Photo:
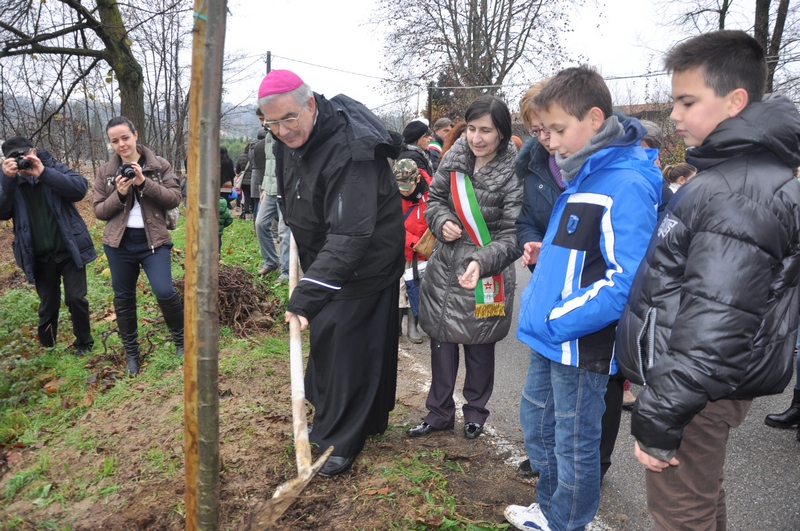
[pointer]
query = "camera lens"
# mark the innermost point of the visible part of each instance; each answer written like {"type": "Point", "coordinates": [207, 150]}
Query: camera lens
{"type": "Point", "coordinates": [24, 164]}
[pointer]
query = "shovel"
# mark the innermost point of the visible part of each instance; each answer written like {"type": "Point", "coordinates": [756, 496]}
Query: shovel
{"type": "Point", "coordinates": [267, 513]}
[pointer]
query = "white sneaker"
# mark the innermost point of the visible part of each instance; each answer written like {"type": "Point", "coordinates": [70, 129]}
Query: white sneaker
{"type": "Point", "coordinates": [528, 518]}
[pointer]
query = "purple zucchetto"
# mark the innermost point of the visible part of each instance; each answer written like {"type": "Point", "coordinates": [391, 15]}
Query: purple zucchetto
{"type": "Point", "coordinates": [278, 82]}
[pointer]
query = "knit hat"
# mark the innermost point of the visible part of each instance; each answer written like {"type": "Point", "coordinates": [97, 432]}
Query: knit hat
{"type": "Point", "coordinates": [406, 172]}
{"type": "Point", "coordinates": [278, 82]}
{"type": "Point", "coordinates": [415, 130]}
{"type": "Point", "coordinates": [16, 145]}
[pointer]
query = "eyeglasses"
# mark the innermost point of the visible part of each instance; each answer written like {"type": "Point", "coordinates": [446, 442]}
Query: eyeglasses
{"type": "Point", "coordinates": [538, 131]}
{"type": "Point", "coordinates": [289, 123]}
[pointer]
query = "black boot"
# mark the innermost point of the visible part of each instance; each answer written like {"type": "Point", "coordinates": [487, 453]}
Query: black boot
{"type": "Point", "coordinates": [789, 418]}
{"type": "Point", "coordinates": [172, 308]}
{"type": "Point", "coordinates": [128, 332]}
{"type": "Point", "coordinates": [414, 334]}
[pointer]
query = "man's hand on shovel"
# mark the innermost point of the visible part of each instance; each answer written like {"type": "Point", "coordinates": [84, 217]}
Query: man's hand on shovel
{"type": "Point", "coordinates": [303, 320]}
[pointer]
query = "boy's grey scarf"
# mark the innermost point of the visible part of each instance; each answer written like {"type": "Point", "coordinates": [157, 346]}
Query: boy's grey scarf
{"type": "Point", "coordinates": [609, 131]}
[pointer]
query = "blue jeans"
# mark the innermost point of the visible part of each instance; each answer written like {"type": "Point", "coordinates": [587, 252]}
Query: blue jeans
{"type": "Point", "coordinates": [560, 413]}
{"type": "Point", "coordinates": [132, 254]}
{"type": "Point", "coordinates": [269, 256]}
{"type": "Point", "coordinates": [254, 201]}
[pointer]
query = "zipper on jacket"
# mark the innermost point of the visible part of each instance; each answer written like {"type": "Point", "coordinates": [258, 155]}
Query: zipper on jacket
{"type": "Point", "coordinates": [339, 211]}
{"type": "Point", "coordinates": [446, 295]}
{"type": "Point", "coordinates": [648, 329]}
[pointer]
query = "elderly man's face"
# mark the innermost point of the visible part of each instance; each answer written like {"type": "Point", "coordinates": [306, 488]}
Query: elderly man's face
{"type": "Point", "coordinates": [289, 122]}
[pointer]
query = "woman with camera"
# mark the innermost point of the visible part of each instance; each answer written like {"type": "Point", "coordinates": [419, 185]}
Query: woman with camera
{"type": "Point", "coordinates": [132, 193]}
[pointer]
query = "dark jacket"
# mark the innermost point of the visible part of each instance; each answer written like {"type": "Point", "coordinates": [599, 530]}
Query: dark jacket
{"type": "Point", "coordinates": [540, 193]}
{"type": "Point", "coordinates": [259, 161]}
{"type": "Point", "coordinates": [63, 188]}
{"type": "Point", "coordinates": [446, 309]}
{"type": "Point", "coordinates": [418, 155]}
{"type": "Point", "coordinates": [159, 192]}
{"type": "Point", "coordinates": [435, 151]}
{"type": "Point", "coordinates": [338, 194]}
{"type": "Point", "coordinates": [713, 309]}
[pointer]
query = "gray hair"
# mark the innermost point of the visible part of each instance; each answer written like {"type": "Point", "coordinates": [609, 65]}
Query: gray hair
{"type": "Point", "coordinates": [654, 137]}
{"type": "Point", "coordinates": [442, 122]}
{"type": "Point", "coordinates": [300, 95]}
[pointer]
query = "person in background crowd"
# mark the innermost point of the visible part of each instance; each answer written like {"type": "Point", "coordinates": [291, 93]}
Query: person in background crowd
{"type": "Point", "coordinates": [225, 220]}
{"type": "Point", "coordinates": [226, 175]}
{"type": "Point", "coordinates": [341, 201]}
{"type": "Point", "coordinates": [413, 184]}
{"type": "Point", "coordinates": [132, 192]}
{"type": "Point", "coordinates": [416, 138]}
{"type": "Point", "coordinates": [467, 294]}
{"type": "Point", "coordinates": [257, 175]}
{"type": "Point", "coordinates": [459, 130]}
{"type": "Point", "coordinates": [441, 128]}
{"type": "Point", "coordinates": [51, 241]}
{"type": "Point", "coordinates": [267, 213]}
{"type": "Point", "coordinates": [241, 166]}
{"type": "Point", "coordinates": [678, 175]}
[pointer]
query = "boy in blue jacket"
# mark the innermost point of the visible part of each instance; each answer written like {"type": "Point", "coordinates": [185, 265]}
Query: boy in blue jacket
{"type": "Point", "coordinates": [597, 235]}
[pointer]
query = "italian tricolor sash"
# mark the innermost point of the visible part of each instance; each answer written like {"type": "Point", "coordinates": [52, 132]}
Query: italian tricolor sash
{"type": "Point", "coordinates": [489, 293]}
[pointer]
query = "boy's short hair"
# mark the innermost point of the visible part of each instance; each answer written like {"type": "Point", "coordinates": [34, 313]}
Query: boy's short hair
{"type": "Point", "coordinates": [730, 59]}
{"type": "Point", "coordinates": [576, 90]}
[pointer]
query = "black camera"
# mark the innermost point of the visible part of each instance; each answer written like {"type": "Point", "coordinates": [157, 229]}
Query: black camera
{"type": "Point", "coordinates": [23, 163]}
{"type": "Point", "coordinates": [127, 171]}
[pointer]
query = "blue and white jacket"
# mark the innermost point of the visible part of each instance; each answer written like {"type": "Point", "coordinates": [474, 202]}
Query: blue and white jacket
{"type": "Point", "coordinates": [598, 233]}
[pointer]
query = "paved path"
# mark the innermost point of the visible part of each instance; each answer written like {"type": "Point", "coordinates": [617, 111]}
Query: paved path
{"type": "Point", "coordinates": [762, 469]}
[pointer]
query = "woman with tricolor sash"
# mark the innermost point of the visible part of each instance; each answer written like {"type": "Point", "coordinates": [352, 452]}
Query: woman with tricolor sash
{"type": "Point", "coordinates": [467, 294]}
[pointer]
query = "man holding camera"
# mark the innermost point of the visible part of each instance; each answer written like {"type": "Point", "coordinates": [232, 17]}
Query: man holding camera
{"type": "Point", "coordinates": [51, 241]}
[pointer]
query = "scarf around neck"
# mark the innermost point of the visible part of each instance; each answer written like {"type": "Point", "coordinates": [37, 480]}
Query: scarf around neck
{"type": "Point", "coordinates": [609, 131]}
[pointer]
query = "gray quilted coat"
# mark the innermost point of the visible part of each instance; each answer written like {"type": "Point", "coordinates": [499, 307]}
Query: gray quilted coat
{"type": "Point", "coordinates": [446, 309]}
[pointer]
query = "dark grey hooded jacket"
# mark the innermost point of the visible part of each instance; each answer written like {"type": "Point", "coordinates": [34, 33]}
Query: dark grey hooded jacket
{"type": "Point", "coordinates": [713, 309]}
{"type": "Point", "coordinates": [446, 309]}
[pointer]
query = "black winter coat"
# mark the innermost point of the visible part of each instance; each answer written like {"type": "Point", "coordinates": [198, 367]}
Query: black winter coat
{"type": "Point", "coordinates": [712, 312]}
{"type": "Point", "coordinates": [63, 188]}
{"type": "Point", "coordinates": [338, 194]}
{"type": "Point", "coordinates": [418, 155]}
{"type": "Point", "coordinates": [540, 193]}
{"type": "Point", "coordinates": [446, 310]}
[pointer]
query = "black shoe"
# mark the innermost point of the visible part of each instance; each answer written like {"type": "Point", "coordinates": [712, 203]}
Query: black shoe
{"type": "Point", "coordinates": [421, 430]}
{"type": "Point", "coordinates": [472, 430]}
{"type": "Point", "coordinates": [82, 351]}
{"type": "Point", "coordinates": [789, 418]}
{"type": "Point", "coordinates": [524, 470]}
{"type": "Point", "coordinates": [336, 465]}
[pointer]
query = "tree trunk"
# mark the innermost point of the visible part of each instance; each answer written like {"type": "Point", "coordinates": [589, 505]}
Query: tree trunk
{"type": "Point", "coordinates": [775, 42]}
{"type": "Point", "coordinates": [119, 56]}
{"type": "Point", "coordinates": [761, 24]}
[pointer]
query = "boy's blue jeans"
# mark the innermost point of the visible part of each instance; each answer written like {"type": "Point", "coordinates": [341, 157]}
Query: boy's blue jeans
{"type": "Point", "coordinates": [561, 412]}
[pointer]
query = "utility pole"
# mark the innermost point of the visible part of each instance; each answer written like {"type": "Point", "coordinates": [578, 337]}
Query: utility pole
{"type": "Point", "coordinates": [430, 103]}
{"type": "Point", "coordinates": [269, 62]}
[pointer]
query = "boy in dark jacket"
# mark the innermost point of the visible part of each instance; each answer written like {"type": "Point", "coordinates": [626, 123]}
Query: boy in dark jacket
{"type": "Point", "coordinates": [51, 241]}
{"type": "Point", "coordinates": [711, 319]}
{"type": "Point", "coordinates": [596, 237]}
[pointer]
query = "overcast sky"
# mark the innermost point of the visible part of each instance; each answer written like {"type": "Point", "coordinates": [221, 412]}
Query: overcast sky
{"type": "Point", "coordinates": [329, 44]}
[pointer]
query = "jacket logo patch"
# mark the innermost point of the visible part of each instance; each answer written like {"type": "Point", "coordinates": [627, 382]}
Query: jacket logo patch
{"type": "Point", "coordinates": [572, 223]}
{"type": "Point", "coordinates": [666, 226]}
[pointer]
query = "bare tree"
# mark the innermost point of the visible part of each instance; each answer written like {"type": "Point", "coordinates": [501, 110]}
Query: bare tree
{"type": "Point", "coordinates": [69, 29]}
{"type": "Point", "coordinates": [773, 23]}
{"type": "Point", "coordinates": [472, 43]}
